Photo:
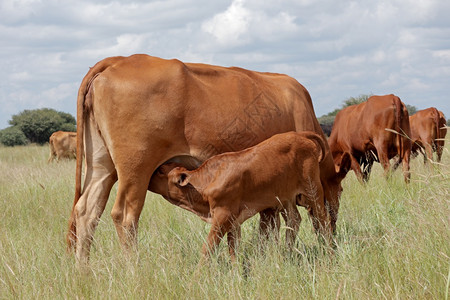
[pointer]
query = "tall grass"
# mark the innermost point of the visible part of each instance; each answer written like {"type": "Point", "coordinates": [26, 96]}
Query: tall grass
{"type": "Point", "coordinates": [393, 242]}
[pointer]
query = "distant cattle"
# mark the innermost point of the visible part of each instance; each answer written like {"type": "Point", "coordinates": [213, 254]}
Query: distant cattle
{"type": "Point", "coordinates": [375, 130]}
{"type": "Point", "coordinates": [63, 145]}
{"type": "Point", "coordinates": [428, 132]}
{"type": "Point", "coordinates": [135, 113]}
{"type": "Point", "coordinates": [229, 188]}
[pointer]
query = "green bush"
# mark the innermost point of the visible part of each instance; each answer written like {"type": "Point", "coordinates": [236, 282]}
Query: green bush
{"type": "Point", "coordinates": [68, 127]}
{"type": "Point", "coordinates": [12, 136]}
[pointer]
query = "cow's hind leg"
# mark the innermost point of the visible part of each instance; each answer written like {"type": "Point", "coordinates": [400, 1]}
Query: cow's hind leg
{"type": "Point", "coordinates": [51, 157]}
{"type": "Point", "coordinates": [406, 156]}
{"type": "Point", "coordinates": [99, 179]}
{"type": "Point", "coordinates": [428, 151]}
{"type": "Point", "coordinates": [439, 150]}
{"type": "Point", "coordinates": [382, 150]}
{"type": "Point", "coordinates": [133, 176]}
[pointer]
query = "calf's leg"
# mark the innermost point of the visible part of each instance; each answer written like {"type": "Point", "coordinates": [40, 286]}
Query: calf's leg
{"type": "Point", "coordinates": [233, 238]}
{"type": "Point", "coordinates": [221, 224]}
{"type": "Point", "coordinates": [292, 219]}
{"type": "Point", "coordinates": [314, 200]}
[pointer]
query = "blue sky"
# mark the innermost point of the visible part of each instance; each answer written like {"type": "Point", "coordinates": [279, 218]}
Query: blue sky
{"type": "Point", "coordinates": [336, 49]}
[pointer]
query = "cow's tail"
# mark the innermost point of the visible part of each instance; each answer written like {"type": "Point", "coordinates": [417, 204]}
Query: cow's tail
{"type": "Point", "coordinates": [403, 135]}
{"type": "Point", "coordinates": [436, 119]}
{"type": "Point", "coordinates": [398, 108]}
{"type": "Point", "coordinates": [52, 149]}
{"type": "Point", "coordinates": [83, 103]}
{"type": "Point", "coordinates": [318, 140]}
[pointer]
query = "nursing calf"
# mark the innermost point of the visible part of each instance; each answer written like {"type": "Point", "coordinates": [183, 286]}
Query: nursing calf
{"type": "Point", "coordinates": [229, 188]}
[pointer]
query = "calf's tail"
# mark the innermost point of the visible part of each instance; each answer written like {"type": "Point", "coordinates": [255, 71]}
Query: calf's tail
{"type": "Point", "coordinates": [318, 140]}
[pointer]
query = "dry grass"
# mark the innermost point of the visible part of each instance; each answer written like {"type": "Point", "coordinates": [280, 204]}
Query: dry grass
{"type": "Point", "coordinates": [393, 243]}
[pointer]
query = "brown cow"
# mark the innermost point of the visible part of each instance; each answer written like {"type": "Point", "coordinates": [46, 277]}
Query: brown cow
{"type": "Point", "coordinates": [428, 132]}
{"type": "Point", "coordinates": [231, 187]}
{"type": "Point", "coordinates": [135, 113]}
{"type": "Point", "coordinates": [62, 145]}
{"type": "Point", "coordinates": [375, 130]}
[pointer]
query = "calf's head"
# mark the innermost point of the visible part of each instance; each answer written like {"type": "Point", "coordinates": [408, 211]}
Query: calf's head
{"type": "Point", "coordinates": [179, 186]}
{"type": "Point", "coordinates": [159, 181]}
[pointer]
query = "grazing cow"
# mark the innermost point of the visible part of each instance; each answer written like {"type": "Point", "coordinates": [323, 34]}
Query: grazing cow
{"type": "Point", "coordinates": [135, 113]}
{"type": "Point", "coordinates": [62, 145]}
{"type": "Point", "coordinates": [428, 132]}
{"type": "Point", "coordinates": [231, 187]}
{"type": "Point", "coordinates": [375, 130]}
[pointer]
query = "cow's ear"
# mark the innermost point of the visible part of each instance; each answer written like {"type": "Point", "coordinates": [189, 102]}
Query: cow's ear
{"type": "Point", "coordinates": [345, 165]}
{"type": "Point", "coordinates": [182, 179]}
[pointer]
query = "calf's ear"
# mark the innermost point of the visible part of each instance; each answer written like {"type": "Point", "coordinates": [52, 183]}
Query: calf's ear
{"type": "Point", "coordinates": [182, 179]}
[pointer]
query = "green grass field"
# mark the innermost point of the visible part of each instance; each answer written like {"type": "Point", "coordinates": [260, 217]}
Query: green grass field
{"type": "Point", "coordinates": [393, 242]}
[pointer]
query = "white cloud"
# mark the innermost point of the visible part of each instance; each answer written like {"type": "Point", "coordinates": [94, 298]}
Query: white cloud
{"type": "Point", "coordinates": [20, 76]}
{"type": "Point", "coordinates": [229, 26]}
{"type": "Point", "coordinates": [125, 44]}
{"type": "Point", "coordinates": [242, 23]}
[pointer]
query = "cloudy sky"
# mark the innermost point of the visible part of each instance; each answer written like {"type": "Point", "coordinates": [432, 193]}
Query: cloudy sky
{"type": "Point", "coordinates": [336, 49]}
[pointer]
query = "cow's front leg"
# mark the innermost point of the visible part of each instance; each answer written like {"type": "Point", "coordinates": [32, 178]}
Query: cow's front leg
{"type": "Point", "coordinates": [356, 167]}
